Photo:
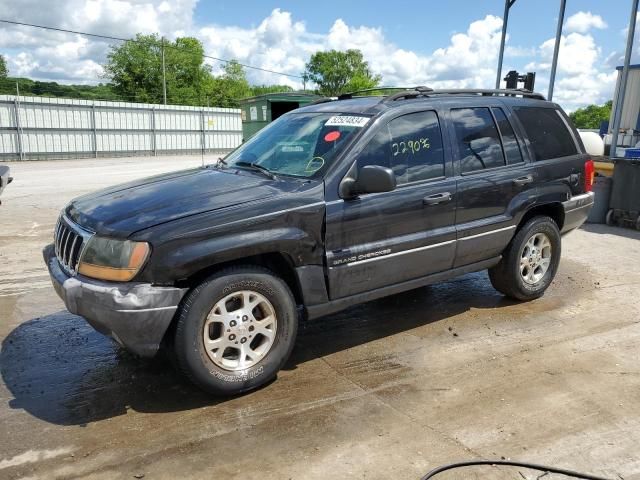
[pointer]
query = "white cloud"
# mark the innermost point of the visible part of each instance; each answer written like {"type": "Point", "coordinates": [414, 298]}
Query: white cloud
{"type": "Point", "coordinates": [282, 43]}
{"type": "Point", "coordinates": [50, 55]}
{"type": "Point", "coordinates": [580, 76]}
{"type": "Point", "coordinates": [582, 22]}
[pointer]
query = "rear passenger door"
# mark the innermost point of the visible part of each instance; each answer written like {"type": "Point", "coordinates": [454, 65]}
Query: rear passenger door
{"type": "Point", "coordinates": [494, 181]}
{"type": "Point", "coordinates": [381, 239]}
{"type": "Point", "coordinates": [553, 147]}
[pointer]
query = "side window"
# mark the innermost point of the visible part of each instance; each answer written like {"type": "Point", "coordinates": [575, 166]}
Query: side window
{"type": "Point", "coordinates": [477, 138]}
{"type": "Point", "coordinates": [377, 151]}
{"type": "Point", "coordinates": [410, 145]}
{"type": "Point", "coordinates": [547, 132]}
{"type": "Point", "coordinates": [509, 140]}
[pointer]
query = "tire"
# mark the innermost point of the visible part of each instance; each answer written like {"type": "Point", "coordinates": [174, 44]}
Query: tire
{"type": "Point", "coordinates": [609, 220]}
{"type": "Point", "coordinates": [222, 367]}
{"type": "Point", "coordinates": [529, 279]}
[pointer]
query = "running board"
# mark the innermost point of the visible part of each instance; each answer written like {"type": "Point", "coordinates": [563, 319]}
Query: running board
{"type": "Point", "coordinates": [333, 306]}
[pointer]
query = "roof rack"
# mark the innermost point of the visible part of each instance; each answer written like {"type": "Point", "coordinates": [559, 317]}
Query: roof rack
{"type": "Point", "coordinates": [428, 92]}
{"type": "Point", "coordinates": [349, 95]}
{"type": "Point", "coordinates": [421, 91]}
{"type": "Point", "coordinates": [322, 100]}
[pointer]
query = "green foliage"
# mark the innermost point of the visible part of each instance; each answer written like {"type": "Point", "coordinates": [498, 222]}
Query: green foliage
{"type": "Point", "coordinates": [264, 89]}
{"type": "Point", "coordinates": [336, 72]}
{"type": "Point", "coordinates": [135, 69]}
{"type": "Point", "coordinates": [3, 67]}
{"type": "Point", "coordinates": [228, 88]}
{"type": "Point", "coordinates": [53, 89]}
{"type": "Point", "coordinates": [591, 116]}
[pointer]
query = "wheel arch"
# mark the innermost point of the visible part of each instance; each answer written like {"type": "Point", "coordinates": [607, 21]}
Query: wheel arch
{"type": "Point", "coordinates": [553, 210]}
{"type": "Point", "coordinates": [281, 264]}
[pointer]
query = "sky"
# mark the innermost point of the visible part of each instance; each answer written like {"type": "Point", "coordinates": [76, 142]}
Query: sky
{"type": "Point", "coordinates": [435, 43]}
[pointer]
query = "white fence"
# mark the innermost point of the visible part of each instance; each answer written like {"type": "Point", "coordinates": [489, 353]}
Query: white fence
{"type": "Point", "coordinates": [45, 128]}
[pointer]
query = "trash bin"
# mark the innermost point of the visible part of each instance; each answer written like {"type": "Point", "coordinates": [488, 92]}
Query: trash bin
{"type": "Point", "coordinates": [624, 205]}
{"type": "Point", "coordinates": [602, 190]}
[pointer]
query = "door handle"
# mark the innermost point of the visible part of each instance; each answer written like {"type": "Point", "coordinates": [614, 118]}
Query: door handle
{"type": "Point", "coordinates": [437, 198]}
{"type": "Point", "coordinates": [523, 180]}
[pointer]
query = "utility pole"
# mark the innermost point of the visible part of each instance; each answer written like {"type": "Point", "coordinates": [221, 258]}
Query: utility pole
{"type": "Point", "coordinates": [556, 48]}
{"type": "Point", "coordinates": [617, 112]}
{"type": "Point", "coordinates": [164, 75]}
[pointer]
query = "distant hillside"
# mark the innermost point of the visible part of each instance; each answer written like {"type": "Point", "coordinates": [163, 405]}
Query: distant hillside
{"type": "Point", "coordinates": [54, 89]}
{"type": "Point", "coordinates": [92, 92]}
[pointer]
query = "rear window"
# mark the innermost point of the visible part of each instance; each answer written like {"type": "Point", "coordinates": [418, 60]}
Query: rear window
{"type": "Point", "coordinates": [547, 132]}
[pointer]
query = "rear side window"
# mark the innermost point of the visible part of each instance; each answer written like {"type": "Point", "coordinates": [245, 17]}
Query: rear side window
{"type": "Point", "coordinates": [509, 140]}
{"type": "Point", "coordinates": [477, 138]}
{"type": "Point", "coordinates": [410, 145]}
{"type": "Point", "coordinates": [547, 132]}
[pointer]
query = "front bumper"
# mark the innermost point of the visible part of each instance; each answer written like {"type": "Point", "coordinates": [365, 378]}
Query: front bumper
{"type": "Point", "coordinates": [136, 315]}
{"type": "Point", "coordinates": [576, 210]}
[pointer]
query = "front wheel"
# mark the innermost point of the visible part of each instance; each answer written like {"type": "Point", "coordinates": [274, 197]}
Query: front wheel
{"type": "Point", "coordinates": [235, 330]}
{"type": "Point", "coordinates": [530, 261]}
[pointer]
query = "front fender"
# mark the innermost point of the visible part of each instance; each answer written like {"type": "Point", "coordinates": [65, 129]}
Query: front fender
{"type": "Point", "coordinates": [188, 258]}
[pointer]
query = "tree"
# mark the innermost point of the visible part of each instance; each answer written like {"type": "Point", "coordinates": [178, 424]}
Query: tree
{"type": "Point", "coordinates": [231, 86]}
{"type": "Point", "coordinates": [3, 67]}
{"type": "Point", "coordinates": [336, 72]}
{"type": "Point", "coordinates": [591, 116]}
{"type": "Point", "coordinates": [264, 89]}
{"type": "Point", "coordinates": [135, 68]}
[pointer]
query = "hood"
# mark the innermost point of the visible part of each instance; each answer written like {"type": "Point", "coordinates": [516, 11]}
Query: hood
{"type": "Point", "coordinates": [124, 209]}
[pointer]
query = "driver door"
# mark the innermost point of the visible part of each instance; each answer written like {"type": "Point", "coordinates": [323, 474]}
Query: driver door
{"type": "Point", "coordinates": [381, 239]}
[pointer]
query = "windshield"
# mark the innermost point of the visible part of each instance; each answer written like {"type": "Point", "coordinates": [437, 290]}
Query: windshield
{"type": "Point", "coordinates": [298, 144]}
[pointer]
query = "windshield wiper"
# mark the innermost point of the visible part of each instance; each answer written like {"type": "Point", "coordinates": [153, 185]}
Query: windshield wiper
{"type": "Point", "coordinates": [256, 167]}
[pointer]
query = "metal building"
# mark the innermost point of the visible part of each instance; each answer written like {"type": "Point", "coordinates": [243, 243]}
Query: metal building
{"type": "Point", "coordinates": [258, 111]}
{"type": "Point", "coordinates": [34, 128]}
{"type": "Point", "coordinates": [629, 134]}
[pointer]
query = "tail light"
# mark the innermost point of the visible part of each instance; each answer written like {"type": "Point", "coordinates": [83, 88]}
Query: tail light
{"type": "Point", "coordinates": [589, 174]}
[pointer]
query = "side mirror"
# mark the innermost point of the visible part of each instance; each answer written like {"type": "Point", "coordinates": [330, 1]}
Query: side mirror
{"type": "Point", "coordinates": [375, 179]}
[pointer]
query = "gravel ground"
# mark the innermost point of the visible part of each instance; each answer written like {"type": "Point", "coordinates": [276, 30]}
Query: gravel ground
{"type": "Point", "coordinates": [388, 389]}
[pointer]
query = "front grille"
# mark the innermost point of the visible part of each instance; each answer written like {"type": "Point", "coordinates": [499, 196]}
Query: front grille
{"type": "Point", "coordinates": [69, 240]}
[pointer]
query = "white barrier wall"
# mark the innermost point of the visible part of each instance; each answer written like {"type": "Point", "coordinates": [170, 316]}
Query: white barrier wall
{"type": "Point", "coordinates": [46, 128]}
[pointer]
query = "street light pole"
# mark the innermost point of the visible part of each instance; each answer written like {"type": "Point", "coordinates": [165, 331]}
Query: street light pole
{"type": "Point", "coordinates": [505, 20]}
{"type": "Point", "coordinates": [556, 48]}
{"type": "Point", "coordinates": [617, 112]}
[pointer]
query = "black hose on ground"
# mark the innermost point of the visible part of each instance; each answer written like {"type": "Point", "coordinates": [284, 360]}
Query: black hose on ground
{"type": "Point", "coordinates": [508, 463]}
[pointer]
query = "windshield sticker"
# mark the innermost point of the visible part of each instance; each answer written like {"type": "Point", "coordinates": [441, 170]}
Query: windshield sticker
{"type": "Point", "coordinates": [332, 136]}
{"type": "Point", "coordinates": [347, 121]}
{"type": "Point", "coordinates": [292, 148]}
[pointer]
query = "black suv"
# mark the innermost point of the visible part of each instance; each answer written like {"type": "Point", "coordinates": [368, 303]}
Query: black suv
{"type": "Point", "coordinates": [334, 204]}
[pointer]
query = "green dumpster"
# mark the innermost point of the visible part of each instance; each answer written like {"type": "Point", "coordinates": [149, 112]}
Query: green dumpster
{"type": "Point", "coordinates": [258, 111]}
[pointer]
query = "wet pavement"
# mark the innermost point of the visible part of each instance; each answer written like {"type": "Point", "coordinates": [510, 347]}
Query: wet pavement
{"type": "Point", "coordinates": [389, 389]}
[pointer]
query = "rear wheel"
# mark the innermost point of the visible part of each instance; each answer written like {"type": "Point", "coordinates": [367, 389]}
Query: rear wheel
{"type": "Point", "coordinates": [530, 261]}
{"type": "Point", "coordinates": [235, 330]}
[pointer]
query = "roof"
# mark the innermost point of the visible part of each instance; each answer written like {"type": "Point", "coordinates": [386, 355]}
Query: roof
{"type": "Point", "coordinates": [635, 66]}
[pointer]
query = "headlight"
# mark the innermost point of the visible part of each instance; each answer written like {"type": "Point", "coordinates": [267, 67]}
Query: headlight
{"type": "Point", "coordinates": [111, 259]}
